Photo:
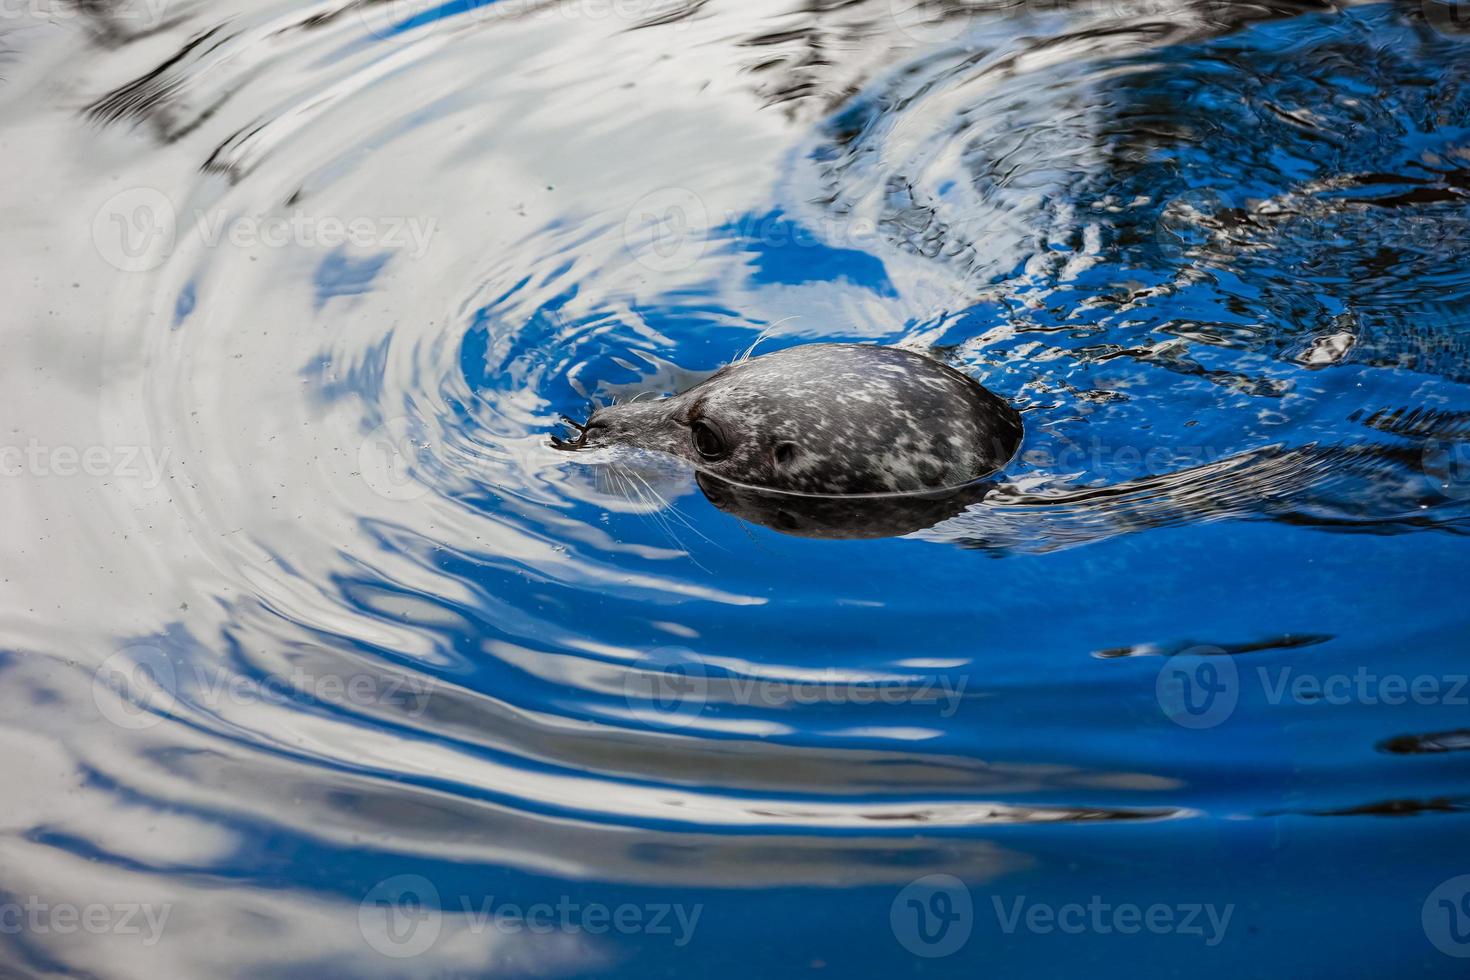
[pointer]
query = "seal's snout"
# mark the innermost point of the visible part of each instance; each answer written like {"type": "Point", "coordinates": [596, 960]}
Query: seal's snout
{"type": "Point", "coordinates": [637, 424]}
{"type": "Point", "coordinates": [572, 445]}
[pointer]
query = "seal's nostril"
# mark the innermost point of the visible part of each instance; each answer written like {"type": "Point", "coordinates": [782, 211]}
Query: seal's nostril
{"type": "Point", "coordinates": [785, 452]}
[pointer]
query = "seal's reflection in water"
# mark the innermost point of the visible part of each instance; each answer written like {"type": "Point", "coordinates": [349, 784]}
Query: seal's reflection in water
{"type": "Point", "coordinates": [651, 483]}
{"type": "Point", "coordinates": [839, 516]}
{"type": "Point", "coordinates": [1375, 489]}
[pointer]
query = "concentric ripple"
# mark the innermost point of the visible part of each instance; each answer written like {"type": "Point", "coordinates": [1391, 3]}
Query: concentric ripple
{"type": "Point", "coordinates": [343, 268]}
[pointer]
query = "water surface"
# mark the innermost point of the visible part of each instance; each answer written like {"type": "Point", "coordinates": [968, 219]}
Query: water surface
{"type": "Point", "coordinates": [312, 647]}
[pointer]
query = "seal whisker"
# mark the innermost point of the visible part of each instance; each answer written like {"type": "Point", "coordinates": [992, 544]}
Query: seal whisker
{"type": "Point", "coordinates": [765, 333]}
{"type": "Point", "coordinates": [650, 499]}
{"type": "Point", "coordinates": [673, 510]}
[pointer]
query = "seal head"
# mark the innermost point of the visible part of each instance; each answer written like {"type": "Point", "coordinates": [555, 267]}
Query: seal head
{"type": "Point", "coordinates": [826, 419]}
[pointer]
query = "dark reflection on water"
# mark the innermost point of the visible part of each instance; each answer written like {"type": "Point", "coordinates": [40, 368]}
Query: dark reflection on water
{"type": "Point", "coordinates": [311, 640]}
{"type": "Point", "coordinates": [840, 517]}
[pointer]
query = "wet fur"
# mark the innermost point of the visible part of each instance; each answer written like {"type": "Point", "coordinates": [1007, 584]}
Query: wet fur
{"type": "Point", "coordinates": [827, 419]}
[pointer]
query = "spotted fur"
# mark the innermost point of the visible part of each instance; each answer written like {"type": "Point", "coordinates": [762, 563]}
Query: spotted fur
{"type": "Point", "coordinates": [826, 419]}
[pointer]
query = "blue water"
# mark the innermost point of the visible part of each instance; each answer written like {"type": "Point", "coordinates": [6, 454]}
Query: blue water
{"type": "Point", "coordinates": [328, 665]}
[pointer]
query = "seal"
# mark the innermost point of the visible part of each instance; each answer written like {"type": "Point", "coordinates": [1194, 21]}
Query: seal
{"type": "Point", "coordinates": [823, 419]}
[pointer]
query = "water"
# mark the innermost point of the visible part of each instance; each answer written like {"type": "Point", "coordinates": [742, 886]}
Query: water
{"type": "Point", "coordinates": [319, 661]}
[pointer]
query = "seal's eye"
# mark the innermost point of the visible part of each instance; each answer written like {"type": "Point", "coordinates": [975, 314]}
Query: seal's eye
{"type": "Point", "coordinates": [709, 441]}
